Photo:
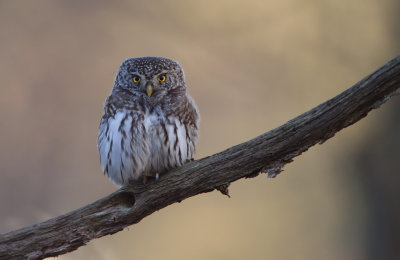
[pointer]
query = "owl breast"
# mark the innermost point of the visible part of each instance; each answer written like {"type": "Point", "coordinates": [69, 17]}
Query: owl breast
{"type": "Point", "coordinates": [133, 145]}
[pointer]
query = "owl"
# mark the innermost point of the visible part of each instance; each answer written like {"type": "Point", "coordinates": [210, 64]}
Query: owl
{"type": "Point", "coordinates": [150, 123]}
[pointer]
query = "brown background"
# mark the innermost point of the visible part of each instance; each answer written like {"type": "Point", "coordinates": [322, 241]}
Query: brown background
{"type": "Point", "coordinates": [250, 66]}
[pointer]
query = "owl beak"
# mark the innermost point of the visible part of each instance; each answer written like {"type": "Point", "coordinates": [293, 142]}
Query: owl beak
{"type": "Point", "coordinates": [149, 90]}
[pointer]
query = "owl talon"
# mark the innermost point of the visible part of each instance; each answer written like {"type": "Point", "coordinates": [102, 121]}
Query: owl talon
{"type": "Point", "coordinates": [157, 177]}
{"type": "Point", "coordinates": [144, 180]}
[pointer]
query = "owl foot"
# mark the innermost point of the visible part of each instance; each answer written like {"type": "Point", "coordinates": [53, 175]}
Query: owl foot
{"type": "Point", "coordinates": [157, 177]}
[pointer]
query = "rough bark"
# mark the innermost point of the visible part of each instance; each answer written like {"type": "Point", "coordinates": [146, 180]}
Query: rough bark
{"type": "Point", "coordinates": [267, 153]}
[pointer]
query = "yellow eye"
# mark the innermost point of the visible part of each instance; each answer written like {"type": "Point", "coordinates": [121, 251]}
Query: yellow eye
{"type": "Point", "coordinates": [162, 78]}
{"type": "Point", "coordinates": [136, 79]}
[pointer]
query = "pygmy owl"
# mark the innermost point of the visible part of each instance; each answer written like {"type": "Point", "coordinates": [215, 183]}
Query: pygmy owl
{"type": "Point", "coordinates": [150, 123]}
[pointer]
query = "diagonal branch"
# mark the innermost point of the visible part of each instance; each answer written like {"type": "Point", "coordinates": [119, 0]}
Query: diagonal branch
{"type": "Point", "coordinates": [266, 153]}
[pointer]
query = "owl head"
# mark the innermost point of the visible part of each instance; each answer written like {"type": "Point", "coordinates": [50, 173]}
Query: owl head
{"type": "Point", "coordinates": [150, 77]}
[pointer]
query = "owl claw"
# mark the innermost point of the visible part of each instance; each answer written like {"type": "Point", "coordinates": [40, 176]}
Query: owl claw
{"type": "Point", "coordinates": [157, 177]}
{"type": "Point", "coordinates": [144, 180]}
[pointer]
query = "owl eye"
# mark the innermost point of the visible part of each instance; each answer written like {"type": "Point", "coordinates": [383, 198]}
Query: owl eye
{"type": "Point", "coordinates": [161, 78]}
{"type": "Point", "coordinates": [136, 79]}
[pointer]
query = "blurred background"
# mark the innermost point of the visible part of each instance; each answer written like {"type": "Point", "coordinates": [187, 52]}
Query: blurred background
{"type": "Point", "coordinates": [250, 66]}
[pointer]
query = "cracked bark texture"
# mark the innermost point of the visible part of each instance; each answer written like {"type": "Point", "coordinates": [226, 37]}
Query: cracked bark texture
{"type": "Point", "coordinates": [267, 153]}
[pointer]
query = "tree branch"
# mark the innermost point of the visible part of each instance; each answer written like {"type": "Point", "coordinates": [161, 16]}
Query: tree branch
{"type": "Point", "coordinates": [267, 153]}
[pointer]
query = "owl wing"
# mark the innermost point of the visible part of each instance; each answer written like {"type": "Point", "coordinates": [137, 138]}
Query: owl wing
{"type": "Point", "coordinates": [121, 144]}
{"type": "Point", "coordinates": [191, 117]}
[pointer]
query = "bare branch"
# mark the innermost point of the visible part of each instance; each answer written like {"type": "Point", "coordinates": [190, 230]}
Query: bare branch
{"type": "Point", "coordinates": [266, 153]}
